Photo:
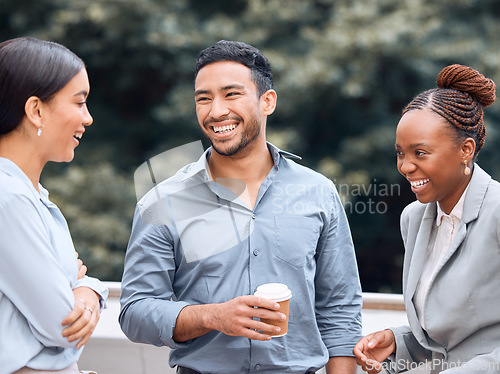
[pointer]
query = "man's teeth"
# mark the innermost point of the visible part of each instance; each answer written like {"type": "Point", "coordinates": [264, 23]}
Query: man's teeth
{"type": "Point", "coordinates": [77, 136]}
{"type": "Point", "coordinates": [223, 129]}
{"type": "Point", "coordinates": [419, 183]}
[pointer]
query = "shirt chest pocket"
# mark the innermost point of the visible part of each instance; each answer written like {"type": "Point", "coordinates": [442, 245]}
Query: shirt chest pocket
{"type": "Point", "coordinates": [296, 239]}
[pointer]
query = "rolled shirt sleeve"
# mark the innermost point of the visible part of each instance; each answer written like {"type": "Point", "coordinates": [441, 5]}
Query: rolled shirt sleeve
{"type": "Point", "coordinates": [148, 313]}
{"type": "Point", "coordinates": [338, 290]}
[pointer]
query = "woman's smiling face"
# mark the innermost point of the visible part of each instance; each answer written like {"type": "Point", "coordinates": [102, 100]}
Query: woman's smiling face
{"type": "Point", "coordinates": [66, 116]}
{"type": "Point", "coordinates": [429, 157]}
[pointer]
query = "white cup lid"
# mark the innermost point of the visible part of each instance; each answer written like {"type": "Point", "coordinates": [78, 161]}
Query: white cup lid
{"type": "Point", "coordinates": [274, 291]}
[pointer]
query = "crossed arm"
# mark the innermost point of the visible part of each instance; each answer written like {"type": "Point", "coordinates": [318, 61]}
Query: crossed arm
{"type": "Point", "coordinates": [82, 320]}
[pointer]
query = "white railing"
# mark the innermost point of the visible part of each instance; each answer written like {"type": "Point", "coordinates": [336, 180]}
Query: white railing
{"type": "Point", "coordinates": [383, 301]}
{"type": "Point", "coordinates": [110, 352]}
{"type": "Point", "coordinates": [371, 300]}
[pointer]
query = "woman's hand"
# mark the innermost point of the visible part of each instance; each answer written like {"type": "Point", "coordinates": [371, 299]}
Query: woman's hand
{"type": "Point", "coordinates": [83, 319]}
{"type": "Point", "coordinates": [82, 269]}
{"type": "Point", "coordinates": [374, 348]}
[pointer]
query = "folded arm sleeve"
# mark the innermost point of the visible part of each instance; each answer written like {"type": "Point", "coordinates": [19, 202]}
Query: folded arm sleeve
{"type": "Point", "coordinates": [30, 275]}
{"type": "Point", "coordinates": [97, 286]}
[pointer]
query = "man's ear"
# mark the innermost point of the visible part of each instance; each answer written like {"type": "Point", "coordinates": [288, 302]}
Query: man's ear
{"type": "Point", "coordinates": [268, 100]}
{"type": "Point", "coordinates": [33, 111]}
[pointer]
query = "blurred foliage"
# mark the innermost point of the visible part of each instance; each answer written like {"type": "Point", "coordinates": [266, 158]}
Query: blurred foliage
{"type": "Point", "coordinates": [97, 202]}
{"type": "Point", "coordinates": [343, 69]}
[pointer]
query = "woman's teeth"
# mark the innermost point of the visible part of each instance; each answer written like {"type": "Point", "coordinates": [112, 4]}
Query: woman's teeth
{"type": "Point", "coordinates": [419, 183]}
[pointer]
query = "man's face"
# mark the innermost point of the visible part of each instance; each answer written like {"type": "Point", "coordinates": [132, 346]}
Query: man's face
{"type": "Point", "coordinates": [228, 107]}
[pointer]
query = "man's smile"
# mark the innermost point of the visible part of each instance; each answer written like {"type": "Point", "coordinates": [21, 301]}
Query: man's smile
{"type": "Point", "coordinates": [223, 129]}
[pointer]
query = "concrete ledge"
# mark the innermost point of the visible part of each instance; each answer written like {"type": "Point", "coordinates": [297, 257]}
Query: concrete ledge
{"type": "Point", "coordinates": [110, 352]}
{"type": "Point", "coordinates": [383, 301]}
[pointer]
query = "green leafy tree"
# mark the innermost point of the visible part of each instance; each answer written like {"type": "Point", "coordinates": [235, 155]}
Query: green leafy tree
{"type": "Point", "coordinates": [344, 70]}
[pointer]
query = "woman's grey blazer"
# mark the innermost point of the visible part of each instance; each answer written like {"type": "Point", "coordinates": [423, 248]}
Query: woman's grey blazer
{"type": "Point", "coordinates": [462, 307]}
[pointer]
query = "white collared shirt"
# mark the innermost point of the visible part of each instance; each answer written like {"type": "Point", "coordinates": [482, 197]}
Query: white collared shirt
{"type": "Point", "coordinates": [440, 240]}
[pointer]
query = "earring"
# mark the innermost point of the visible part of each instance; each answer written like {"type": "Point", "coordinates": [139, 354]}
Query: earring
{"type": "Point", "coordinates": [467, 168]}
{"type": "Point", "coordinates": [39, 132]}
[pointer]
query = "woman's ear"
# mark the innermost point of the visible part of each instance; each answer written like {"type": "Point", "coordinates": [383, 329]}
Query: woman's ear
{"type": "Point", "coordinates": [268, 100]}
{"type": "Point", "coordinates": [468, 149]}
{"type": "Point", "coordinates": [33, 111]}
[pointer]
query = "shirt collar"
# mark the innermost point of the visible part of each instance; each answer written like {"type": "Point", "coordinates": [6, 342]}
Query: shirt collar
{"type": "Point", "coordinates": [276, 153]}
{"type": "Point", "coordinates": [200, 167]}
{"type": "Point", "coordinates": [456, 212]}
{"type": "Point", "coordinates": [10, 168]}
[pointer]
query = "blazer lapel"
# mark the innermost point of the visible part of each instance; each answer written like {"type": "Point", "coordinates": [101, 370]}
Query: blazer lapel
{"type": "Point", "coordinates": [416, 264]}
{"type": "Point", "coordinates": [476, 194]}
{"type": "Point", "coordinates": [420, 247]}
{"type": "Point", "coordinates": [472, 204]}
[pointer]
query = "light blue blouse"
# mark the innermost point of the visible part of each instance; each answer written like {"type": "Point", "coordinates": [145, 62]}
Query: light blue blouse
{"type": "Point", "coordinates": [38, 271]}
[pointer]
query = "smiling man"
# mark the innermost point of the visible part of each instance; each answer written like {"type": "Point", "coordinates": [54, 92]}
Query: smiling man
{"type": "Point", "coordinates": [243, 215]}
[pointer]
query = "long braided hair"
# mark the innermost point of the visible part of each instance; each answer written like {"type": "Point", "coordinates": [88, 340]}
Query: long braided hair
{"type": "Point", "coordinates": [459, 98]}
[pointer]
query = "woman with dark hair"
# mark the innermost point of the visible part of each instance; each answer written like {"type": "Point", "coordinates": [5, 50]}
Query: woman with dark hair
{"type": "Point", "coordinates": [451, 236]}
{"type": "Point", "coordinates": [48, 306]}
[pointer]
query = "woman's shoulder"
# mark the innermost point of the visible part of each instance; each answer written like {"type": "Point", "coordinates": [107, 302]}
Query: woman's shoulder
{"type": "Point", "coordinates": [13, 188]}
{"type": "Point", "coordinates": [492, 197]}
{"type": "Point", "coordinates": [494, 187]}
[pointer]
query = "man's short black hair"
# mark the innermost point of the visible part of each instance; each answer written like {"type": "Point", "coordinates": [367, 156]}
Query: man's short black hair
{"type": "Point", "coordinates": [242, 53]}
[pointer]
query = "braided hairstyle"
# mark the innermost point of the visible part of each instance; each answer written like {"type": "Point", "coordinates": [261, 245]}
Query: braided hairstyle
{"type": "Point", "coordinates": [459, 98]}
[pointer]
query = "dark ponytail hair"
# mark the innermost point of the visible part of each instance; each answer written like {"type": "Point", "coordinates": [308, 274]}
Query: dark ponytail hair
{"type": "Point", "coordinates": [460, 97]}
{"type": "Point", "coordinates": [31, 67]}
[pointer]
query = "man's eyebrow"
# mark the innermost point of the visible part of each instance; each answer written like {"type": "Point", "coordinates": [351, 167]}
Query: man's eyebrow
{"type": "Point", "coordinates": [225, 88]}
{"type": "Point", "coordinates": [232, 86]}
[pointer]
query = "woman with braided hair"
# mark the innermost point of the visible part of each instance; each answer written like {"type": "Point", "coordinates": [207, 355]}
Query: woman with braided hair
{"type": "Point", "coordinates": [451, 235]}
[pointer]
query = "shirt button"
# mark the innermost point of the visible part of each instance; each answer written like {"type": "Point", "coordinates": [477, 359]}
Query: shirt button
{"type": "Point", "coordinates": [255, 252]}
{"type": "Point", "coordinates": [257, 367]}
{"type": "Point", "coordinates": [253, 216]}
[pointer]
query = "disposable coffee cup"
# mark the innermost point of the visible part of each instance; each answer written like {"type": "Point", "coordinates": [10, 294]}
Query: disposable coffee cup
{"type": "Point", "coordinates": [279, 293]}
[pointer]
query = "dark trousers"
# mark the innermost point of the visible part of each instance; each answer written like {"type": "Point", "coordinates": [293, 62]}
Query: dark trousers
{"type": "Point", "coordinates": [183, 370]}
